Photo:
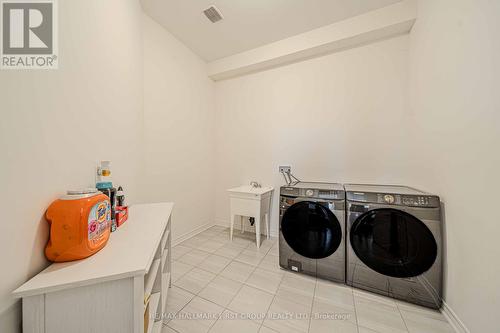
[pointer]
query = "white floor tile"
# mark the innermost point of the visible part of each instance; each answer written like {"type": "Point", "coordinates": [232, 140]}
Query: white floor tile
{"type": "Point", "coordinates": [221, 237]}
{"type": "Point", "coordinates": [179, 269]}
{"type": "Point", "coordinates": [332, 326]}
{"type": "Point", "coordinates": [197, 317]}
{"type": "Point", "coordinates": [295, 295]}
{"type": "Point", "coordinates": [210, 246]}
{"type": "Point", "coordinates": [250, 257]}
{"type": "Point", "coordinates": [285, 315]}
{"type": "Point", "coordinates": [264, 280]}
{"type": "Point", "coordinates": [229, 250]}
{"type": "Point", "coordinates": [195, 241]}
{"type": "Point", "coordinates": [253, 250]}
{"type": "Point", "coordinates": [265, 246]}
{"type": "Point", "coordinates": [176, 300]}
{"type": "Point", "coordinates": [250, 235]}
{"type": "Point", "coordinates": [243, 281]}
{"type": "Point", "coordinates": [210, 232]}
{"type": "Point", "coordinates": [241, 241]}
{"type": "Point", "coordinates": [180, 250]}
{"type": "Point", "coordinates": [422, 320]}
{"type": "Point", "coordinates": [221, 290]}
{"type": "Point", "coordinates": [237, 271]}
{"type": "Point", "coordinates": [298, 288]}
{"type": "Point", "coordinates": [271, 263]}
{"type": "Point", "coordinates": [417, 309]}
{"type": "Point", "coordinates": [300, 282]}
{"type": "Point", "coordinates": [214, 263]}
{"type": "Point", "coordinates": [252, 302]}
{"type": "Point", "coordinates": [194, 257]}
{"type": "Point", "coordinates": [167, 329]}
{"type": "Point", "coordinates": [195, 281]}
{"type": "Point", "coordinates": [231, 322]}
{"type": "Point", "coordinates": [378, 316]}
{"type": "Point", "coordinates": [334, 293]}
{"type": "Point", "coordinates": [330, 310]}
{"type": "Point", "coordinates": [264, 329]}
{"type": "Point", "coordinates": [275, 250]}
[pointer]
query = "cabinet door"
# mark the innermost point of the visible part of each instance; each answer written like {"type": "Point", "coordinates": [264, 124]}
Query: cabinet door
{"type": "Point", "coordinates": [102, 307]}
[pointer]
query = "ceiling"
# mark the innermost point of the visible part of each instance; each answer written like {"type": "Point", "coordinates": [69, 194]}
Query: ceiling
{"type": "Point", "coordinates": [249, 23]}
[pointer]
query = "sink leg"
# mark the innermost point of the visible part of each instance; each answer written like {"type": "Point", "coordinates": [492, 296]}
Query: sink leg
{"type": "Point", "coordinates": [257, 230]}
{"type": "Point", "coordinates": [268, 229]}
{"type": "Point", "coordinates": [242, 220]}
{"type": "Point", "coordinates": [232, 227]}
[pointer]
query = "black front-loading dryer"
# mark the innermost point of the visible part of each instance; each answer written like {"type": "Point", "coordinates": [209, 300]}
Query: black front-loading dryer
{"type": "Point", "coordinates": [312, 227]}
{"type": "Point", "coordinates": [394, 242]}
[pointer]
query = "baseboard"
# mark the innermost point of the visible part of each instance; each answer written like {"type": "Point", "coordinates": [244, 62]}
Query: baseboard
{"type": "Point", "coordinates": [10, 319]}
{"type": "Point", "coordinates": [192, 233]}
{"type": "Point", "coordinates": [453, 319]}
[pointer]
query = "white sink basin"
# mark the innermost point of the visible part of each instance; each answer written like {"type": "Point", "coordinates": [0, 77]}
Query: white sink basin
{"type": "Point", "coordinates": [250, 190]}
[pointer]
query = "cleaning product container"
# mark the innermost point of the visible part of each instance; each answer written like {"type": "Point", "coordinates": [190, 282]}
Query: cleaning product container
{"type": "Point", "coordinates": [79, 225]}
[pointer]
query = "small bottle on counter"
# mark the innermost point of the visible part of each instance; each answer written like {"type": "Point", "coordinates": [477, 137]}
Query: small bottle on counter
{"type": "Point", "coordinates": [120, 197]}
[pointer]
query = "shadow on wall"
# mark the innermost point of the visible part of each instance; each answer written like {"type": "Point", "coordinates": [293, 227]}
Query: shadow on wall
{"type": "Point", "coordinates": [444, 263]}
{"type": "Point", "coordinates": [11, 318]}
{"type": "Point", "coordinates": [38, 249]}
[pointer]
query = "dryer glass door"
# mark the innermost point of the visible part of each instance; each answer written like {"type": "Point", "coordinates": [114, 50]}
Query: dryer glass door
{"type": "Point", "coordinates": [311, 229]}
{"type": "Point", "coordinates": [393, 243]}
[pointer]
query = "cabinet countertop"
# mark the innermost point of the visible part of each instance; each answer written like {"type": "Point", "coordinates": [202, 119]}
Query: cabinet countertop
{"type": "Point", "coordinates": [129, 252]}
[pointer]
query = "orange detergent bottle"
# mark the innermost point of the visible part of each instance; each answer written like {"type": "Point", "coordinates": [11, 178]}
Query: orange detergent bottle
{"type": "Point", "coordinates": [79, 225]}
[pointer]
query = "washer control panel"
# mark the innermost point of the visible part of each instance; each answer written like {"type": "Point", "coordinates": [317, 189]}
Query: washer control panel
{"type": "Point", "coordinates": [313, 193]}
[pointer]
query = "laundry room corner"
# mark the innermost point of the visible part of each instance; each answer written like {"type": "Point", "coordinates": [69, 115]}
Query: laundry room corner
{"type": "Point", "coordinates": [178, 130]}
{"type": "Point", "coordinates": [310, 115]}
{"type": "Point", "coordinates": [453, 75]}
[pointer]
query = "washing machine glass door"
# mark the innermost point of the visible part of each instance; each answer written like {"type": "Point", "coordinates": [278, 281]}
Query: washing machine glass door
{"type": "Point", "coordinates": [393, 243]}
{"type": "Point", "coordinates": [311, 229]}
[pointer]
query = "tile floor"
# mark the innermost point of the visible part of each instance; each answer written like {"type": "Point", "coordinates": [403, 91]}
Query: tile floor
{"type": "Point", "coordinates": [223, 286]}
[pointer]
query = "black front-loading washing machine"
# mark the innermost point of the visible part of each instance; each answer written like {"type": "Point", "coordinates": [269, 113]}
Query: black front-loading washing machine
{"type": "Point", "coordinates": [312, 227]}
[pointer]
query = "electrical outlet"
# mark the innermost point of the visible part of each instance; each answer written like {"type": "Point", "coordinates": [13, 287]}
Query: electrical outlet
{"type": "Point", "coordinates": [285, 168]}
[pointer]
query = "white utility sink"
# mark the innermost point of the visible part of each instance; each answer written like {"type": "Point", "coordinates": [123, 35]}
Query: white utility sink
{"type": "Point", "coordinates": [250, 191]}
{"type": "Point", "coordinates": [249, 201]}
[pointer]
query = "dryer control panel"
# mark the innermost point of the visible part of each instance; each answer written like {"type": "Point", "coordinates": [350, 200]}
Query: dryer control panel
{"type": "Point", "coordinates": [420, 201]}
{"type": "Point", "coordinates": [408, 200]}
{"type": "Point", "coordinates": [425, 201]}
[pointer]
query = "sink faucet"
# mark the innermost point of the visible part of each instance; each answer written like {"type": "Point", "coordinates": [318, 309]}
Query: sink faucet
{"type": "Point", "coordinates": [255, 184]}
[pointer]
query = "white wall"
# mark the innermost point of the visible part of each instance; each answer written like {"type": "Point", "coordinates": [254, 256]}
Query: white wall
{"type": "Point", "coordinates": [455, 100]}
{"type": "Point", "coordinates": [55, 125]}
{"type": "Point", "coordinates": [179, 129]}
{"type": "Point", "coordinates": [338, 118]}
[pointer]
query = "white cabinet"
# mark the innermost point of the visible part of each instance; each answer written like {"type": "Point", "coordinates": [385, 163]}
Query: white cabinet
{"type": "Point", "coordinates": [111, 291]}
